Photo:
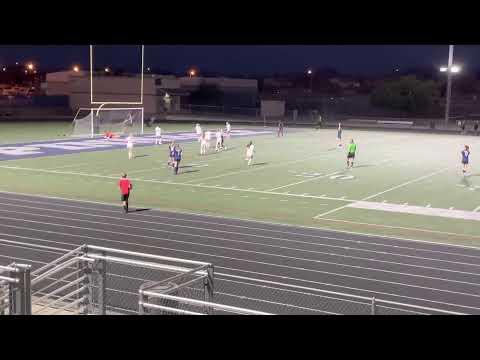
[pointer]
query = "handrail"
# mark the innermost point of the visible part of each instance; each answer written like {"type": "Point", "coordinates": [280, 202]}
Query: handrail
{"type": "Point", "coordinates": [205, 303]}
{"type": "Point", "coordinates": [134, 262]}
{"type": "Point", "coordinates": [56, 269]}
{"type": "Point", "coordinates": [56, 261]}
{"type": "Point", "coordinates": [152, 256]}
{"type": "Point", "coordinates": [165, 308]}
{"type": "Point", "coordinates": [9, 279]}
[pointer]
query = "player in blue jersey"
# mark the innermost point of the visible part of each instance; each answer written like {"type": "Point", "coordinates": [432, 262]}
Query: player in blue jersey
{"type": "Point", "coordinates": [171, 153]}
{"type": "Point", "coordinates": [465, 156]}
{"type": "Point", "coordinates": [339, 134]}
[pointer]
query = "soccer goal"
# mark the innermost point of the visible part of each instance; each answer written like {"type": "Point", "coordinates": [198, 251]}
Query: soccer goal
{"type": "Point", "coordinates": [91, 122]}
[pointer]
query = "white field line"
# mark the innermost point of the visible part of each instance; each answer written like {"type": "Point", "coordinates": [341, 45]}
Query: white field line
{"type": "Point", "coordinates": [476, 209]}
{"type": "Point", "coordinates": [261, 167]}
{"type": "Point", "coordinates": [321, 177]}
{"type": "Point", "coordinates": [312, 270]}
{"type": "Point", "coordinates": [385, 191]}
{"type": "Point", "coordinates": [299, 280]}
{"type": "Point", "coordinates": [304, 181]}
{"type": "Point", "coordinates": [404, 228]}
{"type": "Point", "coordinates": [280, 239]}
{"type": "Point", "coordinates": [296, 227]}
{"type": "Point", "coordinates": [171, 183]}
{"type": "Point", "coordinates": [110, 225]}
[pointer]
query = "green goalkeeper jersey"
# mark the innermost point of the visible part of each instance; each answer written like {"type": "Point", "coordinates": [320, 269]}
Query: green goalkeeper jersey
{"type": "Point", "coordinates": [352, 148]}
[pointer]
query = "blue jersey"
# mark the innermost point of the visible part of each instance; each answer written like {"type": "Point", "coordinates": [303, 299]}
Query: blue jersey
{"type": "Point", "coordinates": [177, 154]}
{"type": "Point", "coordinates": [171, 151]}
{"type": "Point", "coordinates": [465, 155]}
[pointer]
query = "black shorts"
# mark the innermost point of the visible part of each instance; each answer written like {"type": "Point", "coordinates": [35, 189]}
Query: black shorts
{"type": "Point", "coordinates": [124, 197]}
{"type": "Point", "coordinates": [351, 156]}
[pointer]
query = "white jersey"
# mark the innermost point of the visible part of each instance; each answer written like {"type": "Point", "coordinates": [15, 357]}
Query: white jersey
{"type": "Point", "coordinates": [218, 135]}
{"type": "Point", "coordinates": [250, 150]}
{"type": "Point", "coordinates": [158, 131]}
{"type": "Point", "coordinates": [228, 127]}
{"type": "Point", "coordinates": [208, 135]}
{"type": "Point", "coordinates": [198, 129]}
{"type": "Point", "coordinates": [129, 142]}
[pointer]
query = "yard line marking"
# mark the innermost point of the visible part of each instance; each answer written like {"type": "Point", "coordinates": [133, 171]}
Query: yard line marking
{"type": "Point", "coordinates": [262, 167]}
{"type": "Point", "coordinates": [216, 238]}
{"type": "Point", "coordinates": [262, 222]}
{"type": "Point", "coordinates": [385, 191]}
{"type": "Point", "coordinates": [304, 181]}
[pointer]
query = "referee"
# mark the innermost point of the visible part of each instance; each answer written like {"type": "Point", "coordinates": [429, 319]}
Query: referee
{"type": "Point", "coordinates": [125, 188]}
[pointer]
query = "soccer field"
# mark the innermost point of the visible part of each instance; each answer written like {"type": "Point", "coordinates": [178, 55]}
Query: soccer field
{"type": "Point", "coordinates": [406, 185]}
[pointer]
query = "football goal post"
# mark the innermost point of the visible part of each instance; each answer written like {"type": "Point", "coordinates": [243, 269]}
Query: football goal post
{"type": "Point", "coordinates": [91, 122]}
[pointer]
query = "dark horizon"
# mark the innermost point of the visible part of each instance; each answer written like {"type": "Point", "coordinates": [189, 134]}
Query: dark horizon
{"type": "Point", "coordinates": [366, 60]}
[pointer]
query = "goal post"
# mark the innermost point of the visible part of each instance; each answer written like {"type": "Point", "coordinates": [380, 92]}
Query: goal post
{"type": "Point", "coordinates": [91, 122]}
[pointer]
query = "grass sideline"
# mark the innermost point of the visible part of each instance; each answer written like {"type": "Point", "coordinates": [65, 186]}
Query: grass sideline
{"type": "Point", "coordinates": [295, 180]}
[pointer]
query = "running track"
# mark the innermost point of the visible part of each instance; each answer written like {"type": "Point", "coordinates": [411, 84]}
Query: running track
{"type": "Point", "coordinates": [424, 274]}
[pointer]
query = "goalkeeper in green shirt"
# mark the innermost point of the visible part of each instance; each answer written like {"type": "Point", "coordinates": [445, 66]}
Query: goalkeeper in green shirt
{"type": "Point", "coordinates": [352, 149]}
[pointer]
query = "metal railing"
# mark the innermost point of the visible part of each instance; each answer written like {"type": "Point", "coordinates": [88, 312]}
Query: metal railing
{"type": "Point", "coordinates": [100, 280]}
{"type": "Point", "coordinates": [282, 298]}
{"type": "Point", "coordinates": [15, 290]}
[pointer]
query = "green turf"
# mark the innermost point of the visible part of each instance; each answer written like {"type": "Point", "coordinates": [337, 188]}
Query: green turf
{"type": "Point", "coordinates": [392, 162]}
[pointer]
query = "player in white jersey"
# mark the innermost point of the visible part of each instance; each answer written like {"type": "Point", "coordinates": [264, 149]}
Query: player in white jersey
{"type": "Point", "coordinates": [218, 144]}
{"type": "Point", "coordinates": [228, 128]}
{"type": "Point", "coordinates": [208, 137]}
{"type": "Point", "coordinates": [249, 152]}
{"type": "Point", "coordinates": [158, 135]}
{"type": "Point", "coordinates": [198, 130]}
{"type": "Point", "coordinates": [203, 144]}
{"type": "Point", "coordinates": [128, 122]}
{"type": "Point", "coordinates": [130, 147]}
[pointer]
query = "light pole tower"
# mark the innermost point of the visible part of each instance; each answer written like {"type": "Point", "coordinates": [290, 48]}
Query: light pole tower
{"type": "Point", "coordinates": [449, 84]}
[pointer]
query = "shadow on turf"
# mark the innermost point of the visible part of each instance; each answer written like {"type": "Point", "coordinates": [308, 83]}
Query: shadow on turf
{"type": "Point", "coordinates": [139, 210]}
{"type": "Point", "coordinates": [139, 156]}
{"type": "Point", "coordinates": [260, 164]}
{"type": "Point", "coordinates": [189, 171]}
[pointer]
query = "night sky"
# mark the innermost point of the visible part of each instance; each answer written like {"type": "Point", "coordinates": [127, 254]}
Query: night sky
{"type": "Point", "coordinates": [261, 59]}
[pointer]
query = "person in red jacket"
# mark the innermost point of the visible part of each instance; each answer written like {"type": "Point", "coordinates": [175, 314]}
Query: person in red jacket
{"type": "Point", "coordinates": [125, 188]}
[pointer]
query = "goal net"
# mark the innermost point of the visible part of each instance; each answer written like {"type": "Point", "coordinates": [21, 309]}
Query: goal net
{"type": "Point", "coordinates": [94, 121]}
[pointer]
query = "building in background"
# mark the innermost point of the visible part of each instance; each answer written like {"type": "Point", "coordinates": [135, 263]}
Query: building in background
{"type": "Point", "coordinates": [161, 93]}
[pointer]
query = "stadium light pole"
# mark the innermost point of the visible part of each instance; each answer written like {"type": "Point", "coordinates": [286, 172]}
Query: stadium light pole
{"type": "Point", "coordinates": [310, 74]}
{"type": "Point", "coordinates": [450, 69]}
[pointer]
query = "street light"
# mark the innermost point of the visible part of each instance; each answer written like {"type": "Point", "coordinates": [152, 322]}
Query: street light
{"type": "Point", "coordinates": [450, 69]}
{"type": "Point", "coordinates": [192, 72]}
{"type": "Point", "coordinates": [76, 68]}
{"type": "Point", "coordinates": [107, 70]}
{"type": "Point", "coordinates": [30, 66]}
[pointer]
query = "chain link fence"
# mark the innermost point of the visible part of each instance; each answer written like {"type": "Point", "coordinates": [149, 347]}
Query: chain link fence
{"type": "Point", "coordinates": [98, 280]}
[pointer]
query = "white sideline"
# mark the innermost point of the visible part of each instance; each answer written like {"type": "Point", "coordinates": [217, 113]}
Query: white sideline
{"type": "Point", "coordinates": [385, 191]}
{"type": "Point", "coordinates": [416, 210]}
